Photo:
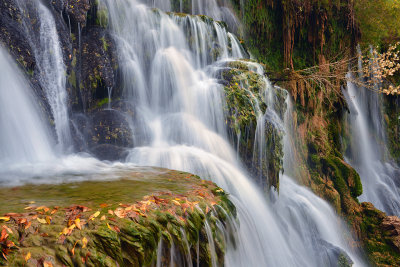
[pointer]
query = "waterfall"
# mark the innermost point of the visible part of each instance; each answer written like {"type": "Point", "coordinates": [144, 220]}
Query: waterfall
{"type": "Point", "coordinates": [167, 64]}
{"type": "Point", "coordinates": [24, 136]}
{"type": "Point", "coordinates": [367, 148]}
{"type": "Point", "coordinates": [49, 65]}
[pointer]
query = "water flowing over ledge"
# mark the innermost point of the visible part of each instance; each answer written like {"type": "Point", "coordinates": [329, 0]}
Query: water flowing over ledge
{"type": "Point", "coordinates": [170, 66]}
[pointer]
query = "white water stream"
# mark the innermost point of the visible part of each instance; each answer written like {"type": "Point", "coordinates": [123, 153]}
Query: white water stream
{"type": "Point", "coordinates": [367, 149]}
{"type": "Point", "coordinates": [47, 50]}
{"type": "Point", "coordinates": [167, 65]}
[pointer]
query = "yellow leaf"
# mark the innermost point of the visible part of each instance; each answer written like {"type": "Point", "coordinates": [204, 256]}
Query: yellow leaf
{"type": "Point", "coordinates": [28, 256]}
{"type": "Point", "coordinates": [109, 226]}
{"type": "Point", "coordinates": [84, 242]}
{"type": "Point", "coordinates": [48, 219]}
{"type": "Point", "coordinates": [43, 221]}
{"type": "Point", "coordinates": [6, 219]}
{"type": "Point", "coordinates": [176, 202]}
{"type": "Point", "coordinates": [65, 231]}
{"type": "Point", "coordinates": [95, 215]}
{"type": "Point", "coordinates": [78, 223]}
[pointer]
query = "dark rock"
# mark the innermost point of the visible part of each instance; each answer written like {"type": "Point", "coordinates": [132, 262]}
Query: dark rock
{"type": "Point", "coordinates": [109, 152]}
{"type": "Point", "coordinates": [98, 67]}
{"type": "Point", "coordinates": [391, 226]}
{"type": "Point", "coordinates": [77, 9]}
{"type": "Point", "coordinates": [110, 127]}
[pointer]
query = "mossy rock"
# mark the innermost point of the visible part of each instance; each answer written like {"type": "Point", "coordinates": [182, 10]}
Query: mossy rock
{"type": "Point", "coordinates": [115, 223]}
{"type": "Point", "coordinates": [246, 106]}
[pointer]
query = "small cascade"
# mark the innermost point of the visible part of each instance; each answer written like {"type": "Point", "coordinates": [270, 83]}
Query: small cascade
{"type": "Point", "coordinates": [109, 91]}
{"type": "Point", "coordinates": [50, 67]}
{"type": "Point", "coordinates": [322, 231]}
{"type": "Point", "coordinates": [168, 76]}
{"type": "Point", "coordinates": [367, 149]}
{"type": "Point", "coordinates": [24, 136]}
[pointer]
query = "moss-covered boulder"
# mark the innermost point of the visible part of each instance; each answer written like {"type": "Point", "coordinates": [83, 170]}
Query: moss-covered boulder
{"type": "Point", "coordinates": [254, 127]}
{"type": "Point", "coordinates": [381, 236]}
{"type": "Point", "coordinates": [147, 216]}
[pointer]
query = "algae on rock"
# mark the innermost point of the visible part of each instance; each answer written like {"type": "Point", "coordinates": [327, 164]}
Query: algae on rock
{"type": "Point", "coordinates": [122, 223]}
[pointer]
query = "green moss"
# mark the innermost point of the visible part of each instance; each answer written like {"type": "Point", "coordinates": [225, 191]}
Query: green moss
{"type": "Point", "coordinates": [105, 44]}
{"type": "Point", "coordinates": [245, 105]}
{"type": "Point", "coordinates": [126, 240]}
{"type": "Point", "coordinates": [72, 78]}
{"type": "Point", "coordinates": [343, 176]}
{"type": "Point", "coordinates": [102, 16]}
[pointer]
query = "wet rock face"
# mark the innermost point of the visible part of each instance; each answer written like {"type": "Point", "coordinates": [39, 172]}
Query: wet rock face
{"type": "Point", "coordinates": [104, 133]}
{"type": "Point", "coordinates": [99, 66]}
{"type": "Point", "coordinates": [76, 9]}
{"type": "Point", "coordinates": [391, 226]}
{"type": "Point", "coordinates": [12, 33]}
{"type": "Point", "coordinates": [110, 127]}
{"type": "Point", "coordinates": [245, 111]}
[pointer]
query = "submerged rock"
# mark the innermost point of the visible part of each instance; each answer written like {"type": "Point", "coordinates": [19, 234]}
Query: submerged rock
{"type": "Point", "coordinates": [141, 219]}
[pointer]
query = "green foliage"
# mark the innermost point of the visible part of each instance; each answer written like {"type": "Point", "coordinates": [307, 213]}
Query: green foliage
{"type": "Point", "coordinates": [294, 33]}
{"type": "Point", "coordinates": [378, 20]}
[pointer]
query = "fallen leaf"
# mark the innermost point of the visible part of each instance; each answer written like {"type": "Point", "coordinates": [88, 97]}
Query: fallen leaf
{"type": "Point", "coordinates": [48, 219]}
{"type": "Point", "coordinates": [110, 212]}
{"type": "Point", "coordinates": [109, 226]}
{"type": "Point", "coordinates": [42, 221]}
{"type": "Point", "coordinates": [10, 244]}
{"type": "Point", "coordinates": [84, 242]}
{"type": "Point", "coordinates": [47, 264]}
{"type": "Point", "coordinates": [53, 211]}
{"type": "Point", "coordinates": [4, 235]}
{"type": "Point", "coordinates": [103, 205]}
{"type": "Point", "coordinates": [44, 208]}
{"type": "Point", "coordinates": [8, 229]}
{"type": "Point", "coordinates": [78, 223]}
{"type": "Point", "coordinates": [28, 225]}
{"type": "Point", "coordinates": [103, 218]}
{"type": "Point", "coordinates": [95, 215]}
{"type": "Point", "coordinates": [73, 249]}
{"type": "Point", "coordinates": [176, 202]}
{"type": "Point", "coordinates": [65, 231]}
{"type": "Point", "coordinates": [120, 213]}
{"type": "Point", "coordinates": [27, 256]}
{"type": "Point", "coordinates": [4, 219]}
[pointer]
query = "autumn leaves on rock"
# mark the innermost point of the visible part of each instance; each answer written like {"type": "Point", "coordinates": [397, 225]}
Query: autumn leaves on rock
{"type": "Point", "coordinates": [119, 233]}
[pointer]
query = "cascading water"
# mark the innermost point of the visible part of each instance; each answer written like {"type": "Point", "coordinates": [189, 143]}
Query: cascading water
{"type": "Point", "coordinates": [167, 62]}
{"type": "Point", "coordinates": [50, 66]}
{"type": "Point", "coordinates": [18, 112]}
{"type": "Point", "coordinates": [366, 151]}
